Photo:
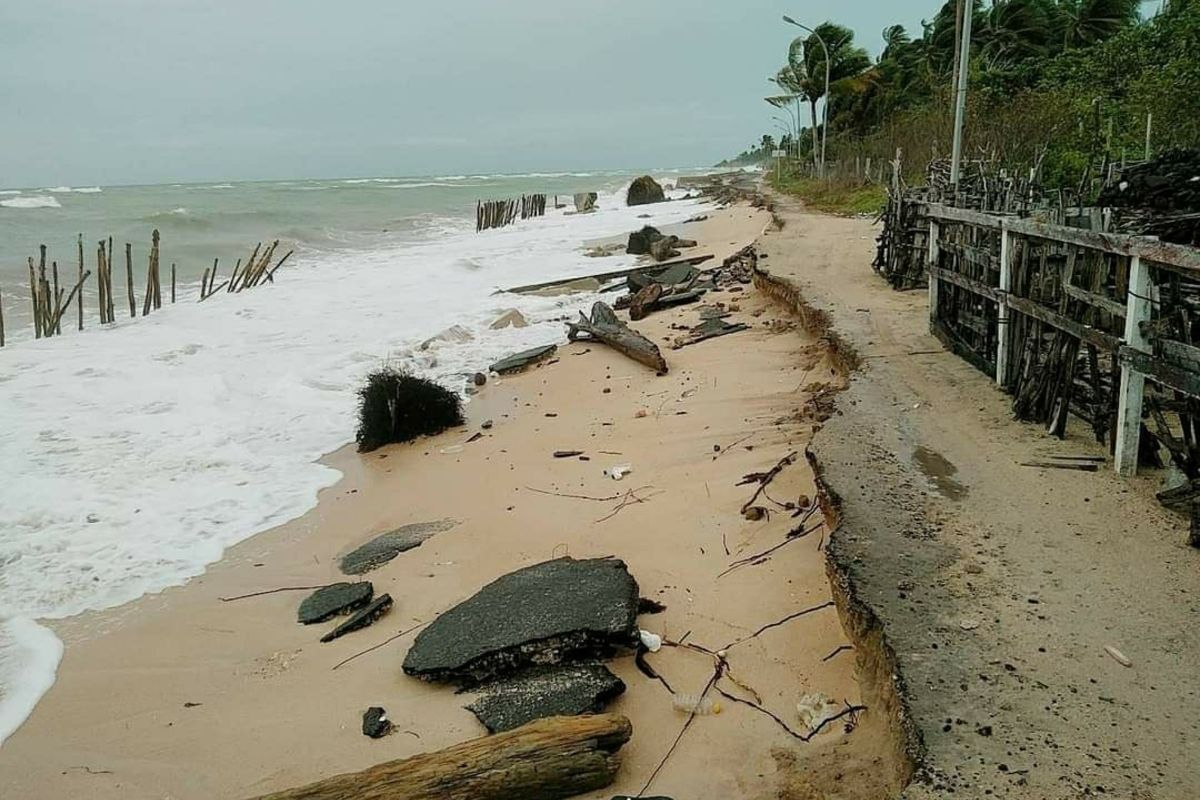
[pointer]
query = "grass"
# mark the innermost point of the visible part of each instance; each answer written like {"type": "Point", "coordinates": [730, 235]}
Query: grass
{"type": "Point", "coordinates": [846, 198]}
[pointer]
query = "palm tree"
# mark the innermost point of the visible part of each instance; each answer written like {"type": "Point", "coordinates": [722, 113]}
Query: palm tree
{"type": "Point", "coordinates": [806, 65]}
{"type": "Point", "coordinates": [1012, 31]}
{"type": "Point", "coordinates": [1080, 23]}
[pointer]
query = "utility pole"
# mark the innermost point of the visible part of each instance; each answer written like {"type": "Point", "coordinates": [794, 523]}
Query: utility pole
{"type": "Point", "coordinates": [960, 101]}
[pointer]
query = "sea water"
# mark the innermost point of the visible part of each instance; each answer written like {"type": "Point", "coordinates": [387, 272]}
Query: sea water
{"type": "Point", "coordinates": [133, 455]}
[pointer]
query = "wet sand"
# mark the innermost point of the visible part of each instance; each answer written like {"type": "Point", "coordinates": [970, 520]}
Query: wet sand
{"type": "Point", "coordinates": [183, 695]}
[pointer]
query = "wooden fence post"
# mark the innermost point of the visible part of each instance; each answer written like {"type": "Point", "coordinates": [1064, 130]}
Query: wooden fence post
{"type": "Point", "coordinates": [1004, 328]}
{"type": "Point", "coordinates": [1133, 383]}
{"type": "Point", "coordinates": [933, 263]}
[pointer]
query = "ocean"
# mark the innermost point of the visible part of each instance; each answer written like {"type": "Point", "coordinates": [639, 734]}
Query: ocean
{"type": "Point", "coordinates": [132, 455]}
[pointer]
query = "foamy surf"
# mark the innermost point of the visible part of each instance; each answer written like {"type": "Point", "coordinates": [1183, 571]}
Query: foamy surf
{"type": "Point", "coordinates": [33, 201]}
{"type": "Point", "coordinates": [31, 652]}
{"type": "Point", "coordinates": [135, 455]}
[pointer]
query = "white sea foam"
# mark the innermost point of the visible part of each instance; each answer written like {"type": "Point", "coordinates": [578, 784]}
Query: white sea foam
{"type": "Point", "coordinates": [428, 184]}
{"type": "Point", "coordinates": [134, 455]}
{"type": "Point", "coordinates": [68, 190]}
{"type": "Point", "coordinates": [10, 191]}
{"type": "Point", "coordinates": [32, 201]}
{"type": "Point", "coordinates": [32, 652]}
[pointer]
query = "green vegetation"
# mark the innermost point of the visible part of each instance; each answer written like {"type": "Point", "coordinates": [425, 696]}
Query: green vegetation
{"type": "Point", "coordinates": [832, 197]}
{"type": "Point", "coordinates": [1056, 84]}
{"type": "Point", "coordinates": [759, 154]}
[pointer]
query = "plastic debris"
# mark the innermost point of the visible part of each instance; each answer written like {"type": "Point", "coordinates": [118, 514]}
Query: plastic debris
{"type": "Point", "coordinates": [618, 472]}
{"type": "Point", "coordinates": [652, 641]}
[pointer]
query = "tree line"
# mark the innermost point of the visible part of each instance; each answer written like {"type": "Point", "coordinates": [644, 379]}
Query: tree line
{"type": "Point", "coordinates": [1054, 83]}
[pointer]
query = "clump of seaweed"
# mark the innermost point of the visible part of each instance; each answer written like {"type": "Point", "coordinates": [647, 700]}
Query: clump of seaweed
{"type": "Point", "coordinates": [396, 406]}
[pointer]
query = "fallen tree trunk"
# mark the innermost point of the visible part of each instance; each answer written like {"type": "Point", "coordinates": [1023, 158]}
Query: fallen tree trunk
{"type": "Point", "coordinates": [547, 759]}
{"type": "Point", "coordinates": [605, 327]}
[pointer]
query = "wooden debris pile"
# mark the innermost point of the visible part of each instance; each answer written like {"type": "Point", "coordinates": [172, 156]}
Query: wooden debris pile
{"type": "Point", "coordinates": [1159, 197]}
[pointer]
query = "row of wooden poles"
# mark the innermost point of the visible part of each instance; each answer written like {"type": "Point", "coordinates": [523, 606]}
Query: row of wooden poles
{"type": "Point", "coordinates": [258, 269]}
{"type": "Point", "coordinates": [51, 301]}
{"type": "Point", "coordinates": [498, 213]}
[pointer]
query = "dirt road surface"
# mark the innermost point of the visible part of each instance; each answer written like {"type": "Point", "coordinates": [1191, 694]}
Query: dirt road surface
{"type": "Point", "coordinates": [999, 585]}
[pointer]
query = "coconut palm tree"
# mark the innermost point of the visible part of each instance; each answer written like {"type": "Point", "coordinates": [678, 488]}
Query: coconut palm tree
{"type": "Point", "coordinates": [806, 68]}
{"type": "Point", "coordinates": [1012, 31]}
{"type": "Point", "coordinates": [1079, 23]}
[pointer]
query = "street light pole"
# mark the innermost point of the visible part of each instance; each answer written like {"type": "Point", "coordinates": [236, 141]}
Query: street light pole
{"type": "Point", "coordinates": [825, 114]}
{"type": "Point", "coordinates": [960, 104]}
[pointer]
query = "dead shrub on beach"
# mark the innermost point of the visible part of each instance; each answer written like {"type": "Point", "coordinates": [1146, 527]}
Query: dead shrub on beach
{"type": "Point", "coordinates": [395, 406]}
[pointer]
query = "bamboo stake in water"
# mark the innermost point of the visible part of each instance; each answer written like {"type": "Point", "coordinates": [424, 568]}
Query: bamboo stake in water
{"type": "Point", "coordinates": [33, 296]}
{"type": "Point", "coordinates": [101, 283]}
{"type": "Point", "coordinates": [108, 263]}
{"type": "Point", "coordinates": [57, 303]}
{"type": "Point", "coordinates": [172, 282]}
{"type": "Point", "coordinates": [79, 308]}
{"type": "Point", "coordinates": [157, 275]}
{"type": "Point", "coordinates": [129, 280]}
{"type": "Point", "coordinates": [148, 301]}
{"type": "Point", "coordinates": [71, 296]}
{"type": "Point", "coordinates": [44, 292]}
{"type": "Point", "coordinates": [1, 320]}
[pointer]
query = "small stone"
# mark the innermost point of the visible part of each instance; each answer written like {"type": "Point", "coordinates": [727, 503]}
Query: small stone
{"type": "Point", "coordinates": [487, 424]}
{"type": "Point", "coordinates": [375, 723]}
{"type": "Point", "coordinates": [641, 414]}
{"type": "Point", "coordinates": [984, 730]}
{"type": "Point", "coordinates": [480, 379]}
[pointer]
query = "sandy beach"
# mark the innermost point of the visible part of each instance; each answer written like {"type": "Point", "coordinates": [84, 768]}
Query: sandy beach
{"type": "Point", "coordinates": [182, 695]}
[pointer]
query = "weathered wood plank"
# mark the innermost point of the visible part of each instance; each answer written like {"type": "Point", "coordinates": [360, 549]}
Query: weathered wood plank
{"type": "Point", "coordinates": [1095, 300]}
{"type": "Point", "coordinates": [544, 760]}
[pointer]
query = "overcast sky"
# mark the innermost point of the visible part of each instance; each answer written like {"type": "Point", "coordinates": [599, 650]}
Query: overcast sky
{"type": "Point", "coordinates": [142, 91]}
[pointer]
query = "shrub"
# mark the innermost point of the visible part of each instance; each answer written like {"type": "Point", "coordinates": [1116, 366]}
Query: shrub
{"type": "Point", "coordinates": [395, 406]}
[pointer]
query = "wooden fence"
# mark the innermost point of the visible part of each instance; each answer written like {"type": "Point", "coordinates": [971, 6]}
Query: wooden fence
{"type": "Point", "coordinates": [1073, 321]}
{"type": "Point", "coordinates": [499, 213]}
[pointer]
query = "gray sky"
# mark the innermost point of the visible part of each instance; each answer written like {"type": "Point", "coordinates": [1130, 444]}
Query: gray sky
{"type": "Point", "coordinates": [141, 91]}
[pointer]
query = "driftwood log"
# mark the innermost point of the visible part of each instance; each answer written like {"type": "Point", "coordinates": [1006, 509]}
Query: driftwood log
{"type": "Point", "coordinates": [605, 327]}
{"type": "Point", "coordinates": [544, 760]}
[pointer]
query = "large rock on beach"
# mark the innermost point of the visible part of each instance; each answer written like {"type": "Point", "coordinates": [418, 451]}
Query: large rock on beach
{"type": "Point", "coordinates": [385, 547]}
{"type": "Point", "coordinates": [644, 190]}
{"type": "Point", "coordinates": [563, 690]}
{"type": "Point", "coordinates": [330, 601]}
{"type": "Point", "coordinates": [640, 241]}
{"type": "Point", "coordinates": [548, 613]}
{"type": "Point", "coordinates": [585, 201]}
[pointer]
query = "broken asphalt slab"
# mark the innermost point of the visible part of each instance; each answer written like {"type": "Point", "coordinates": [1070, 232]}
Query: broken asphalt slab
{"type": "Point", "coordinates": [330, 601]}
{"type": "Point", "coordinates": [562, 690]}
{"type": "Point", "coordinates": [362, 619]}
{"type": "Point", "coordinates": [544, 614]}
{"type": "Point", "coordinates": [385, 547]}
{"type": "Point", "coordinates": [519, 361]}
